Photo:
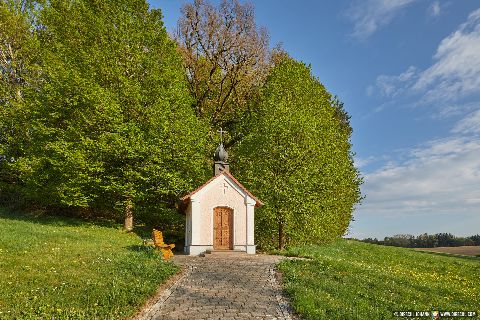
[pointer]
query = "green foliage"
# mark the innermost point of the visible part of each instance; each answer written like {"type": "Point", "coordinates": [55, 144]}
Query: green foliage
{"type": "Point", "coordinates": [354, 280]}
{"type": "Point", "coordinates": [112, 121]}
{"type": "Point", "coordinates": [97, 115]}
{"type": "Point", "coordinates": [68, 269]}
{"type": "Point", "coordinates": [297, 160]}
{"type": "Point", "coordinates": [18, 71]}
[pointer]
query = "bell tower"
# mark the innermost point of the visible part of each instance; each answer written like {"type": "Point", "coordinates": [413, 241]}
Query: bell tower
{"type": "Point", "coordinates": [220, 157]}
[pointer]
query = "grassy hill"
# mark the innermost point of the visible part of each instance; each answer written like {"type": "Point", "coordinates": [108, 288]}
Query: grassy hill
{"type": "Point", "coordinates": [67, 269]}
{"type": "Point", "coordinates": [354, 280]}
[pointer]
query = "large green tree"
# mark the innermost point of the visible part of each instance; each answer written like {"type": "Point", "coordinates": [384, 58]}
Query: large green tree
{"type": "Point", "coordinates": [19, 70]}
{"type": "Point", "coordinates": [112, 124]}
{"type": "Point", "coordinates": [297, 159]}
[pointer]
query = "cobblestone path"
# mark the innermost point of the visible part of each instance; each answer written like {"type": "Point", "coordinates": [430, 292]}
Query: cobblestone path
{"type": "Point", "coordinates": [223, 287]}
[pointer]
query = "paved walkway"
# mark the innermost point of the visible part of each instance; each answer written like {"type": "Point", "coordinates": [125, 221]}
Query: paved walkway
{"type": "Point", "coordinates": [223, 287]}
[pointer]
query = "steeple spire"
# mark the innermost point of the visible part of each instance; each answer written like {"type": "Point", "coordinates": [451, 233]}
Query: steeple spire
{"type": "Point", "coordinates": [220, 157]}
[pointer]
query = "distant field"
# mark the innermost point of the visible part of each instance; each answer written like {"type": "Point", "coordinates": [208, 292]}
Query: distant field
{"type": "Point", "coordinates": [355, 280]}
{"type": "Point", "coordinates": [464, 250]}
{"type": "Point", "coordinates": [59, 268]}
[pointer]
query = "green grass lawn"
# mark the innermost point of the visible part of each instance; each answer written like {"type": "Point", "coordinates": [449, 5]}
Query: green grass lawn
{"type": "Point", "coordinates": [60, 268]}
{"type": "Point", "coordinates": [354, 280]}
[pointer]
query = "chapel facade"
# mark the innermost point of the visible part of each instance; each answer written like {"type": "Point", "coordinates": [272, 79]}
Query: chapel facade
{"type": "Point", "coordinates": [220, 214]}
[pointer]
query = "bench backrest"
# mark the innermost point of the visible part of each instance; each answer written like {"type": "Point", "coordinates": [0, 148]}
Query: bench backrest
{"type": "Point", "coordinates": [157, 237]}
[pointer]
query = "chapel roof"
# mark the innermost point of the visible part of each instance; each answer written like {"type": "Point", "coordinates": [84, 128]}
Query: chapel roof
{"type": "Point", "coordinates": [258, 203]}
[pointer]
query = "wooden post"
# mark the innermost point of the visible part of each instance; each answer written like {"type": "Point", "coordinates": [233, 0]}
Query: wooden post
{"type": "Point", "coordinates": [128, 225]}
{"type": "Point", "coordinates": [281, 235]}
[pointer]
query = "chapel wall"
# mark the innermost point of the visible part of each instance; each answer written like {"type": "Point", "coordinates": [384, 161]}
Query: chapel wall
{"type": "Point", "coordinates": [188, 225]}
{"type": "Point", "coordinates": [215, 197]}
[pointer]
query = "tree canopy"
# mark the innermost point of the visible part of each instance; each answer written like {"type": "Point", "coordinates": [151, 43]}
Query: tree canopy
{"type": "Point", "coordinates": [19, 70]}
{"type": "Point", "coordinates": [226, 58]}
{"type": "Point", "coordinates": [102, 112]}
{"type": "Point", "coordinates": [111, 125]}
{"type": "Point", "coordinates": [297, 159]}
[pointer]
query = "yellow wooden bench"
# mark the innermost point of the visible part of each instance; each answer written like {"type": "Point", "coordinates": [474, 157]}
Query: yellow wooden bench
{"type": "Point", "coordinates": [166, 249]}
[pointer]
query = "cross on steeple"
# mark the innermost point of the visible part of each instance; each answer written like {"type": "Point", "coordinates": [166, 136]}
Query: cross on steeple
{"type": "Point", "coordinates": [221, 134]}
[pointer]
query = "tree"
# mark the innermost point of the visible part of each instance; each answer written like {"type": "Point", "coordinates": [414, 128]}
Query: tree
{"type": "Point", "coordinates": [297, 159]}
{"type": "Point", "coordinates": [112, 125]}
{"type": "Point", "coordinates": [226, 59]}
{"type": "Point", "coordinates": [445, 239]}
{"type": "Point", "coordinates": [18, 71]}
{"type": "Point", "coordinates": [475, 239]}
{"type": "Point", "coordinates": [425, 241]}
{"type": "Point", "coordinates": [17, 52]}
{"type": "Point", "coordinates": [401, 240]}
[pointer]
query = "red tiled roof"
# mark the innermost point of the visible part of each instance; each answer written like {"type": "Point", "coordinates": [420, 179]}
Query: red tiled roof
{"type": "Point", "coordinates": [228, 174]}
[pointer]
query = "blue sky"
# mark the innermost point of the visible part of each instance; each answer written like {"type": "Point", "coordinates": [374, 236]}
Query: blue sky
{"type": "Point", "coordinates": [408, 72]}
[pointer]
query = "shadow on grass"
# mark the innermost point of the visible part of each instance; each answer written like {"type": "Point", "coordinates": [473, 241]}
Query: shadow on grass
{"type": "Point", "coordinates": [150, 250]}
{"type": "Point", "coordinates": [143, 231]}
{"type": "Point", "coordinates": [46, 218]}
{"type": "Point", "coordinates": [141, 248]}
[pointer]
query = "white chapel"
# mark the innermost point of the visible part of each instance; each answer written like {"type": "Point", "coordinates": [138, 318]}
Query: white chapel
{"type": "Point", "coordinates": [220, 213]}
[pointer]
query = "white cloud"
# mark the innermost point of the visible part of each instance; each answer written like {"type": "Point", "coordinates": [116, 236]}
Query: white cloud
{"type": "Point", "coordinates": [451, 110]}
{"type": "Point", "coordinates": [362, 162]}
{"type": "Point", "coordinates": [453, 77]}
{"type": "Point", "coordinates": [456, 72]}
{"type": "Point", "coordinates": [434, 9]}
{"type": "Point", "coordinates": [444, 148]}
{"type": "Point", "coordinates": [443, 176]}
{"type": "Point", "coordinates": [370, 15]}
{"type": "Point", "coordinates": [470, 124]}
{"type": "Point", "coordinates": [391, 86]}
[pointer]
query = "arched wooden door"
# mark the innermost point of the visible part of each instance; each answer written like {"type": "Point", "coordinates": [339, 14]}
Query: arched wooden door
{"type": "Point", "coordinates": [222, 228]}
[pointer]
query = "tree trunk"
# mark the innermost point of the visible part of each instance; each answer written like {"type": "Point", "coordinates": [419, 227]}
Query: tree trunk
{"type": "Point", "coordinates": [281, 236]}
{"type": "Point", "coordinates": [128, 214]}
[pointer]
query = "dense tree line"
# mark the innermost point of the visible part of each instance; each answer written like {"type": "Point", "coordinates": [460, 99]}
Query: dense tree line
{"type": "Point", "coordinates": [107, 124]}
{"type": "Point", "coordinates": [426, 240]}
{"type": "Point", "coordinates": [102, 113]}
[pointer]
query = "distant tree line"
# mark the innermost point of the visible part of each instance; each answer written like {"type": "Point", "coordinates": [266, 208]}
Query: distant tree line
{"type": "Point", "coordinates": [426, 240]}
